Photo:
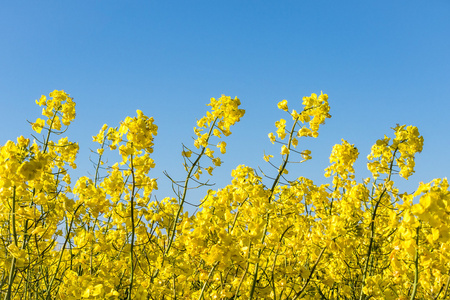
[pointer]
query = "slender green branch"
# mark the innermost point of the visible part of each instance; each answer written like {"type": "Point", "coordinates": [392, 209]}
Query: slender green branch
{"type": "Point", "coordinates": [185, 189]}
{"type": "Point", "coordinates": [310, 274]}
{"type": "Point", "coordinates": [272, 190]}
{"type": "Point", "coordinates": [236, 294]}
{"type": "Point", "coordinates": [132, 226]}
{"type": "Point", "coordinates": [416, 265]}
{"type": "Point", "coordinates": [12, 272]}
{"type": "Point", "coordinates": [274, 263]}
{"type": "Point", "coordinates": [206, 281]}
{"type": "Point", "coordinates": [283, 166]}
{"type": "Point", "coordinates": [172, 233]}
{"type": "Point", "coordinates": [50, 131]}
{"type": "Point", "coordinates": [49, 288]}
{"type": "Point", "coordinates": [446, 288]}
{"type": "Point", "coordinates": [372, 228]}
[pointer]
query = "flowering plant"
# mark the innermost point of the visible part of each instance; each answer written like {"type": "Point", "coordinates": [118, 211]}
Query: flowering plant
{"type": "Point", "coordinates": [107, 237]}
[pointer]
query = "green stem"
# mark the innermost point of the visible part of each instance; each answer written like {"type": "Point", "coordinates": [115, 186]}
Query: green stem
{"type": "Point", "coordinates": [185, 188]}
{"type": "Point", "coordinates": [446, 287]}
{"type": "Point", "coordinates": [132, 228]}
{"type": "Point", "coordinates": [173, 231]}
{"type": "Point", "coordinates": [310, 274]}
{"type": "Point", "coordinates": [14, 260]}
{"type": "Point", "coordinates": [206, 282]}
{"type": "Point", "coordinates": [372, 229]}
{"type": "Point", "coordinates": [49, 288]}
{"type": "Point", "coordinates": [283, 167]}
{"type": "Point", "coordinates": [245, 272]}
{"type": "Point", "coordinates": [272, 190]}
{"type": "Point", "coordinates": [416, 266]}
{"type": "Point", "coordinates": [49, 131]}
{"type": "Point", "coordinates": [274, 263]}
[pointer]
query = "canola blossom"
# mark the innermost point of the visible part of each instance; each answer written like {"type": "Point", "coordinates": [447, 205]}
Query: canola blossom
{"type": "Point", "coordinates": [262, 236]}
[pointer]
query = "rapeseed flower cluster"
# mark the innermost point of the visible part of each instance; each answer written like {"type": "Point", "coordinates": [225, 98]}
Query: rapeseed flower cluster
{"type": "Point", "coordinates": [262, 236]}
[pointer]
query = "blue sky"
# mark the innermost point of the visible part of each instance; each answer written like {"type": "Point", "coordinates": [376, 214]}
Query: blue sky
{"type": "Point", "coordinates": [380, 62]}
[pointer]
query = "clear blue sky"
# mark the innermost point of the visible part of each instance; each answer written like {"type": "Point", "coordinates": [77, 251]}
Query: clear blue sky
{"type": "Point", "coordinates": [380, 62]}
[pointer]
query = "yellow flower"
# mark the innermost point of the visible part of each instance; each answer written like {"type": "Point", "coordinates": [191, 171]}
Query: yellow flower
{"type": "Point", "coordinates": [304, 131]}
{"type": "Point", "coordinates": [267, 157]}
{"type": "Point", "coordinates": [22, 142]}
{"type": "Point", "coordinates": [306, 155]}
{"type": "Point", "coordinates": [186, 153]}
{"type": "Point", "coordinates": [209, 169]}
{"type": "Point", "coordinates": [209, 152]}
{"type": "Point", "coordinates": [16, 251]}
{"type": "Point", "coordinates": [126, 150]}
{"type": "Point", "coordinates": [38, 230]}
{"type": "Point", "coordinates": [272, 137]}
{"type": "Point", "coordinates": [217, 162]}
{"type": "Point", "coordinates": [38, 125]}
{"type": "Point", "coordinates": [222, 145]}
{"type": "Point", "coordinates": [283, 105]}
{"type": "Point", "coordinates": [284, 150]}
{"type": "Point", "coordinates": [41, 101]}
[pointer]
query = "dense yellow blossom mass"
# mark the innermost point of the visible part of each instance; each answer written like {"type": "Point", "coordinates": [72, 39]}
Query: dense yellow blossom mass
{"type": "Point", "coordinates": [107, 236]}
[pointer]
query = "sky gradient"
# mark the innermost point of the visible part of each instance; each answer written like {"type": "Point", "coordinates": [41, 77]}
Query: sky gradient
{"type": "Point", "coordinates": [380, 62]}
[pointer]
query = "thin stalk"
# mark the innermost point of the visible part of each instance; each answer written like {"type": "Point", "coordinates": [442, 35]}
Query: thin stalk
{"type": "Point", "coordinates": [310, 274]}
{"type": "Point", "coordinates": [274, 263]}
{"type": "Point", "coordinates": [132, 228]}
{"type": "Point", "coordinates": [206, 282]}
{"type": "Point", "coordinates": [446, 287]}
{"type": "Point", "coordinates": [185, 189]}
{"type": "Point", "coordinates": [283, 167]}
{"type": "Point", "coordinates": [372, 229]}
{"type": "Point", "coordinates": [49, 131]}
{"type": "Point", "coordinates": [245, 272]}
{"type": "Point", "coordinates": [12, 271]}
{"type": "Point", "coordinates": [275, 183]}
{"type": "Point", "coordinates": [49, 288]}
{"type": "Point", "coordinates": [174, 287]}
{"type": "Point", "coordinates": [416, 266]}
{"type": "Point", "coordinates": [171, 235]}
